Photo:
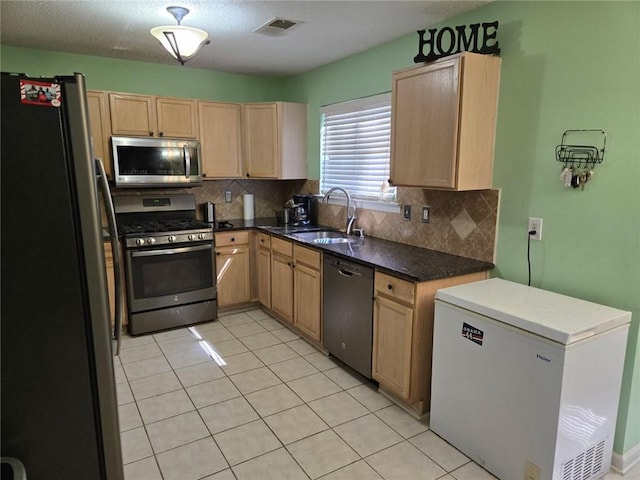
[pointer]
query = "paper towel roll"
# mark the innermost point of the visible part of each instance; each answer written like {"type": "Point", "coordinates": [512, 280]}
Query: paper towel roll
{"type": "Point", "coordinates": [248, 206]}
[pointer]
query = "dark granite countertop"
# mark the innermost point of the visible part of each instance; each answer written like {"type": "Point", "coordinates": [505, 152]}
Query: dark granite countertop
{"type": "Point", "coordinates": [412, 263]}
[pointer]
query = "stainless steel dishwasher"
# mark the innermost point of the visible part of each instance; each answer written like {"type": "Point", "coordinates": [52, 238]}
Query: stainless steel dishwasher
{"type": "Point", "coordinates": [347, 308]}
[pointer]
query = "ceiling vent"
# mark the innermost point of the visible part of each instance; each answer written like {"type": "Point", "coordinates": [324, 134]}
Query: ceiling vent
{"type": "Point", "coordinates": [276, 26]}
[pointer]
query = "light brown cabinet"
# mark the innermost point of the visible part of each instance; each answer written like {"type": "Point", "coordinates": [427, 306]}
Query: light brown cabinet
{"type": "Point", "coordinates": [177, 117]}
{"type": "Point", "coordinates": [403, 336]}
{"type": "Point", "coordinates": [263, 260]}
{"type": "Point", "coordinates": [275, 140]}
{"type": "Point", "coordinates": [111, 284]}
{"type": "Point", "coordinates": [290, 283]}
{"type": "Point", "coordinates": [233, 268]}
{"type": "Point", "coordinates": [149, 116]}
{"type": "Point", "coordinates": [282, 279]}
{"type": "Point", "coordinates": [220, 139]}
{"type": "Point", "coordinates": [307, 288]}
{"type": "Point", "coordinates": [132, 114]}
{"type": "Point", "coordinates": [100, 128]}
{"type": "Point", "coordinates": [443, 123]}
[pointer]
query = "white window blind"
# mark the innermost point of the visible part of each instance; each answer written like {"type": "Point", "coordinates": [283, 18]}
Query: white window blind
{"type": "Point", "coordinates": [355, 144]}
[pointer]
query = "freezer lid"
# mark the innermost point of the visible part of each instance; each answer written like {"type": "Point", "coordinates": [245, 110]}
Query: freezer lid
{"type": "Point", "coordinates": [550, 315]}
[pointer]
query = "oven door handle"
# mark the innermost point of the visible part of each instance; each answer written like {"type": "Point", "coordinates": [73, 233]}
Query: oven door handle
{"type": "Point", "coordinates": [170, 251]}
{"type": "Point", "coordinates": [187, 161]}
{"type": "Point", "coordinates": [115, 252]}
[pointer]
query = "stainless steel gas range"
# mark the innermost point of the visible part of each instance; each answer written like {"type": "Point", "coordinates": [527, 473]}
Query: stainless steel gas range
{"type": "Point", "coordinates": [169, 261]}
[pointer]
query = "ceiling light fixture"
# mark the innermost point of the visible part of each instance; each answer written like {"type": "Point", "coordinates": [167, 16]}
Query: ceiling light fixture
{"type": "Point", "coordinates": [181, 42]}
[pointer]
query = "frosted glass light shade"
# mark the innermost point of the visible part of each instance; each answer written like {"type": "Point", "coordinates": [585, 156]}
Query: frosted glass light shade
{"type": "Point", "coordinates": [181, 42]}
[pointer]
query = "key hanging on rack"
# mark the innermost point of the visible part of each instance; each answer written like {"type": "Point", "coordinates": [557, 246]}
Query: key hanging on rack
{"type": "Point", "coordinates": [579, 159]}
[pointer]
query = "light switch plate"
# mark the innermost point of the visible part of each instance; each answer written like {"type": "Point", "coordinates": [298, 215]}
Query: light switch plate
{"type": "Point", "coordinates": [227, 196]}
{"type": "Point", "coordinates": [426, 214]}
{"type": "Point", "coordinates": [406, 212]}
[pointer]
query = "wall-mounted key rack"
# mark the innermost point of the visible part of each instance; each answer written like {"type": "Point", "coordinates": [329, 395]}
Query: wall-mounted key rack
{"type": "Point", "coordinates": [579, 152]}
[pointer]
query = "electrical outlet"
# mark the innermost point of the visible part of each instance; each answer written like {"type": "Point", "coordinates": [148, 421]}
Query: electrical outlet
{"type": "Point", "coordinates": [535, 225]}
{"type": "Point", "coordinates": [425, 214]}
{"type": "Point", "coordinates": [227, 196]}
{"type": "Point", "coordinates": [406, 212]}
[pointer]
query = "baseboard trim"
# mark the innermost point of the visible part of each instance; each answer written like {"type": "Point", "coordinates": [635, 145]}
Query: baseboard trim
{"type": "Point", "coordinates": [625, 462]}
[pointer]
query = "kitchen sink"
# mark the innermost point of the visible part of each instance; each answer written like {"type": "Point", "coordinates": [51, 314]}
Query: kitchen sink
{"type": "Point", "coordinates": [325, 237]}
{"type": "Point", "coordinates": [321, 236]}
{"type": "Point", "coordinates": [330, 240]}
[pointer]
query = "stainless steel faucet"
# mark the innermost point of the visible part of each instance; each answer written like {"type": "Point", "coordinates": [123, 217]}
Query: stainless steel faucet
{"type": "Point", "coordinates": [351, 218]}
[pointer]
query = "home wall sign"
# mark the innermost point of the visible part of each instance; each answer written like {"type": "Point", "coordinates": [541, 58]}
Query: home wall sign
{"type": "Point", "coordinates": [477, 38]}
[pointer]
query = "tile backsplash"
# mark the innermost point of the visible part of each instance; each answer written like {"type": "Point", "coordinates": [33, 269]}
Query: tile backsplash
{"type": "Point", "coordinates": [269, 195]}
{"type": "Point", "coordinates": [461, 223]}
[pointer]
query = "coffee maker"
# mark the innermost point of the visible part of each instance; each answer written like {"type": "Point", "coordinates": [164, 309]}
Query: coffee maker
{"type": "Point", "coordinates": [305, 210]}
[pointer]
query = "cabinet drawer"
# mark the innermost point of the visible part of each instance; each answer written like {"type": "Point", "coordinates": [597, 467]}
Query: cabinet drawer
{"type": "Point", "coordinates": [224, 239]}
{"type": "Point", "coordinates": [263, 240]}
{"type": "Point", "coordinates": [283, 247]}
{"type": "Point", "coordinates": [307, 256]}
{"type": "Point", "coordinates": [395, 288]}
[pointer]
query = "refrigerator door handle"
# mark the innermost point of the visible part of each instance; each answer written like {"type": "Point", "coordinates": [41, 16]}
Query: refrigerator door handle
{"type": "Point", "coordinates": [115, 249]}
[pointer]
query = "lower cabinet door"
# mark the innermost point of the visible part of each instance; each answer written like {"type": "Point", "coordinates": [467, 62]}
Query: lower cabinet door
{"type": "Point", "coordinates": [307, 316]}
{"type": "Point", "coordinates": [233, 275]}
{"type": "Point", "coordinates": [264, 277]}
{"type": "Point", "coordinates": [282, 286]}
{"type": "Point", "coordinates": [392, 338]}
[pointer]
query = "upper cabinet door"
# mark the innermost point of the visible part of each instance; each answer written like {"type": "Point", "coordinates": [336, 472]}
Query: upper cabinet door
{"type": "Point", "coordinates": [100, 127]}
{"type": "Point", "coordinates": [177, 118]}
{"type": "Point", "coordinates": [261, 139]}
{"type": "Point", "coordinates": [275, 140]}
{"type": "Point", "coordinates": [132, 114]}
{"type": "Point", "coordinates": [220, 139]}
{"type": "Point", "coordinates": [443, 123]}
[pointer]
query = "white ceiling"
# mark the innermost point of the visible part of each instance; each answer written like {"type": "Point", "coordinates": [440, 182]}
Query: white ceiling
{"type": "Point", "coordinates": [328, 30]}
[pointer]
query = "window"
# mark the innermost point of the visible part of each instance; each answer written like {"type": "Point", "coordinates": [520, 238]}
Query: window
{"type": "Point", "coordinates": [355, 142]}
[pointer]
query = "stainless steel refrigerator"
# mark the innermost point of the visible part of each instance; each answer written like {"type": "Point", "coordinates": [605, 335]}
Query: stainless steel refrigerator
{"type": "Point", "coordinates": [59, 408]}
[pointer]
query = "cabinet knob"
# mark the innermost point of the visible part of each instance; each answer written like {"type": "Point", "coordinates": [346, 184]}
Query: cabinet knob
{"type": "Point", "coordinates": [233, 239]}
{"type": "Point", "coordinates": [390, 287]}
{"type": "Point", "coordinates": [248, 175]}
{"type": "Point", "coordinates": [161, 134]}
{"type": "Point", "coordinates": [218, 253]}
{"type": "Point", "coordinates": [151, 134]}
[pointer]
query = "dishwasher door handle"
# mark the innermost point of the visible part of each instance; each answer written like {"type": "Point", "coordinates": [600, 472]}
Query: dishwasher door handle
{"type": "Point", "coordinates": [347, 273]}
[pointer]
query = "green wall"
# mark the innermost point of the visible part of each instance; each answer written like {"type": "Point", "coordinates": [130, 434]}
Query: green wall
{"type": "Point", "coordinates": [140, 77]}
{"type": "Point", "coordinates": [566, 65]}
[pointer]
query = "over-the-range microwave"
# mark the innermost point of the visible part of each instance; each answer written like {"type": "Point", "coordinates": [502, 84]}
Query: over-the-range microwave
{"type": "Point", "coordinates": [156, 162]}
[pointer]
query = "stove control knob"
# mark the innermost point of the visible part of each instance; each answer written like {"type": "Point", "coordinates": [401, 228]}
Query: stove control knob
{"type": "Point", "coordinates": [201, 236]}
{"type": "Point", "coordinates": [139, 241]}
{"type": "Point", "coordinates": [172, 238]}
{"type": "Point", "coordinates": [151, 240]}
{"type": "Point", "coordinates": [191, 236]}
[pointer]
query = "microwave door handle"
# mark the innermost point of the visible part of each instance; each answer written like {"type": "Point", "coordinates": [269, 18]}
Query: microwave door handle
{"type": "Point", "coordinates": [115, 250]}
{"type": "Point", "coordinates": [187, 161]}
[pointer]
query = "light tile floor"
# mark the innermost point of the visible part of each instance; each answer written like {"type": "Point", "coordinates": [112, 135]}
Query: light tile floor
{"type": "Point", "coordinates": [267, 406]}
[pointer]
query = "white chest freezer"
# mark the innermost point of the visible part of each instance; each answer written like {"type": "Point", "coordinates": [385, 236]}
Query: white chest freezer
{"type": "Point", "coordinates": [527, 382]}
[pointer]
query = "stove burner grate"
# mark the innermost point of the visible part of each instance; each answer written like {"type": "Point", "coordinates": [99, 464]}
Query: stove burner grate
{"type": "Point", "coordinates": [151, 226]}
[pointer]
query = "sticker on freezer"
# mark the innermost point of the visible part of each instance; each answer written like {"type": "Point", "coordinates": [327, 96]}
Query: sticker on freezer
{"type": "Point", "coordinates": [34, 92]}
{"type": "Point", "coordinates": [472, 333]}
